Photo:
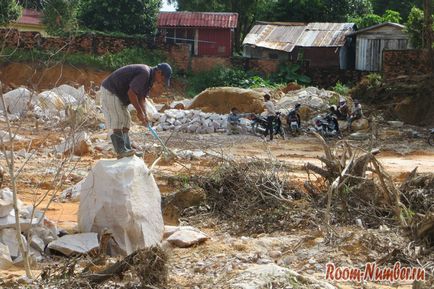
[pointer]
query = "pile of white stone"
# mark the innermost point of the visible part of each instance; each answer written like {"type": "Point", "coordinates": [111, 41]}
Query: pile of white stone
{"type": "Point", "coordinates": [37, 231]}
{"type": "Point", "coordinates": [314, 98]}
{"type": "Point", "coordinates": [191, 121]}
{"type": "Point", "coordinates": [46, 105]}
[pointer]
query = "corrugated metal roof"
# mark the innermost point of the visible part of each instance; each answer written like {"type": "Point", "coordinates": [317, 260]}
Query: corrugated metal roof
{"type": "Point", "coordinates": [286, 36]}
{"type": "Point", "coordinates": [397, 25]}
{"type": "Point", "coordinates": [30, 16]}
{"type": "Point", "coordinates": [197, 19]}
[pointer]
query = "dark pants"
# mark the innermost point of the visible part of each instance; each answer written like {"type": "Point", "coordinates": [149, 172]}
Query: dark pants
{"type": "Point", "coordinates": [269, 129]}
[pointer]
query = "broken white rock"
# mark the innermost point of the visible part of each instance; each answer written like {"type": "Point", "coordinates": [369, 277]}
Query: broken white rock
{"type": "Point", "coordinates": [50, 102]}
{"type": "Point", "coordinates": [17, 101]}
{"type": "Point", "coordinates": [258, 276]}
{"type": "Point", "coordinates": [65, 91]}
{"type": "Point", "coordinates": [73, 193]}
{"type": "Point", "coordinates": [188, 154]}
{"type": "Point", "coordinates": [79, 144]}
{"type": "Point", "coordinates": [4, 137]}
{"type": "Point", "coordinates": [9, 222]}
{"type": "Point", "coordinates": [6, 202]}
{"type": "Point", "coordinates": [186, 237]}
{"type": "Point", "coordinates": [9, 238]}
{"type": "Point", "coordinates": [45, 234]}
{"type": "Point", "coordinates": [75, 244]}
{"type": "Point", "coordinates": [5, 257]}
{"type": "Point", "coordinates": [37, 243]}
{"type": "Point", "coordinates": [35, 257]}
{"type": "Point", "coordinates": [122, 196]}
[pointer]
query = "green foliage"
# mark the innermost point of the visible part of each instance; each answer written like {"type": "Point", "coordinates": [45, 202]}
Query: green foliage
{"type": "Point", "coordinates": [368, 88]}
{"type": "Point", "coordinates": [105, 62]}
{"type": "Point", "coordinates": [359, 7]}
{"type": "Point", "coordinates": [414, 26]}
{"type": "Point", "coordinates": [392, 16]}
{"type": "Point", "coordinates": [32, 4]}
{"type": "Point", "coordinates": [289, 73]}
{"type": "Point", "coordinates": [367, 20]}
{"type": "Point", "coordinates": [317, 10]}
{"type": "Point", "coordinates": [402, 7]}
{"type": "Point", "coordinates": [223, 76]}
{"type": "Point", "coordinates": [373, 19]}
{"type": "Point", "coordinates": [126, 16]}
{"type": "Point", "coordinates": [340, 88]}
{"type": "Point", "coordinates": [374, 80]}
{"type": "Point", "coordinates": [60, 16]}
{"type": "Point", "coordinates": [9, 11]}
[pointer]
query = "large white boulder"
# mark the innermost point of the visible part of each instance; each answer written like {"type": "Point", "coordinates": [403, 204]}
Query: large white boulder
{"type": "Point", "coordinates": [17, 101]}
{"type": "Point", "coordinates": [122, 196]}
{"type": "Point", "coordinates": [51, 102]}
{"type": "Point", "coordinates": [66, 91]}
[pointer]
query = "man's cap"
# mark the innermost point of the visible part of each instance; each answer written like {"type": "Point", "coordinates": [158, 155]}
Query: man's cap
{"type": "Point", "coordinates": [167, 72]}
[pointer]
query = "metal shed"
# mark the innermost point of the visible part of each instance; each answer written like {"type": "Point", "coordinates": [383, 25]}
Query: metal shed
{"type": "Point", "coordinates": [371, 41]}
{"type": "Point", "coordinates": [208, 33]}
{"type": "Point", "coordinates": [316, 44]}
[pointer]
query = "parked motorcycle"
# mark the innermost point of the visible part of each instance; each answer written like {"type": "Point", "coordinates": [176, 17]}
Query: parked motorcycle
{"type": "Point", "coordinates": [431, 137]}
{"type": "Point", "coordinates": [259, 125]}
{"type": "Point", "coordinates": [326, 126]}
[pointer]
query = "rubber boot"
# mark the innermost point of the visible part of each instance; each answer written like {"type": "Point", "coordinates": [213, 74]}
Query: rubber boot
{"type": "Point", "coordinates": [119, 145]}
{"type": "Point", "coordinates": [128, 145]}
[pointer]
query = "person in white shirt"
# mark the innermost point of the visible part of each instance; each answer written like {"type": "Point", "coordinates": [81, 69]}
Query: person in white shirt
{"type": "Point", "coordinates": [270, 113]}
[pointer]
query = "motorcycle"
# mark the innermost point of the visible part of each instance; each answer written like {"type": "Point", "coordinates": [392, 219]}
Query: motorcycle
{"type": "Point", "coordinates": [431, 137]}
{"type": "Point", "coordinates": [260, 123]}
{"type": "Point", "coordinates": [326, 126]}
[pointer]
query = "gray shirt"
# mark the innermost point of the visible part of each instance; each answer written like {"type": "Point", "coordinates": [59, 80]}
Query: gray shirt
{"type": "Point", "coordinates": [137, 77]}
{"type": "Point", "coordinates": [269, 107]}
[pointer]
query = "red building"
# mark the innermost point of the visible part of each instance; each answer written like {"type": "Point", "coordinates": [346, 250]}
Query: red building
{"type": "Point", "coordinates": [208, 33]}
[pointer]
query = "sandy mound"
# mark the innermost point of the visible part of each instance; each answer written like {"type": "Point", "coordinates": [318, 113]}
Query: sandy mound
{"type": "Point", "coordinates": [222, 99]}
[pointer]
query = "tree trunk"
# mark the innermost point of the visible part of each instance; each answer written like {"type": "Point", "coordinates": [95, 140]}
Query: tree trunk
{"type": "Point", "coordinates": [10, 161]}
{"type": "Point", "coordinates": [428, 32]}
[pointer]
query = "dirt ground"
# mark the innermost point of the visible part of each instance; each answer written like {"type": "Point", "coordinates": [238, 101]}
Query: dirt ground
{"type": "Point", "coordinates": [212, 264]}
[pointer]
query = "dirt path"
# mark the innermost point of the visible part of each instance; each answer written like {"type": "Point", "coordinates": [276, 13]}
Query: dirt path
{"type": "Point", "coordinates": [211, 261]}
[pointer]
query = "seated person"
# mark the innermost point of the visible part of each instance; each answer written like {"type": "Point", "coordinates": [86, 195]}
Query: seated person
{"type": "Point", "coordinates": [234, 122]}
{"type": "Point", "coordinates": [356, 113]}
{"type": "Point", "coordinates": [294, 115]}
{"type": "Point", "coordinates": [342, 110]}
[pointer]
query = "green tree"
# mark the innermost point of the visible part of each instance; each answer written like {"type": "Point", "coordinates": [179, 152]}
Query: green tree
{"type": "Point", "coordinates": [60, 16]}
{"type": "Point", "coordinates": [9, 11]}
{"type": "Point", "coordinates": [126, 16]}
{"type": "Point", "coordinates": [367, 20]}
{"type": "Point", "coordinates": [359, 7]}
{"type": "Point", "coordinates": [392, 16]}
{"type": "Point", "coordinates": [33, 4]}
{"type": "Point", "coordinates": [373, 19]}
{"type": "Point", "coordinates": [403, 7]}
{"type": "Point", "coordinates": [414, 26]}
{"type": "Point", "coordinates": [319, 10]}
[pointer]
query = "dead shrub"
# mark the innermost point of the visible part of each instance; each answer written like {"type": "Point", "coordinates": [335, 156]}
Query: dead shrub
{"type": "Point", "coordinates": [253, 197]}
